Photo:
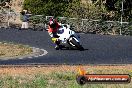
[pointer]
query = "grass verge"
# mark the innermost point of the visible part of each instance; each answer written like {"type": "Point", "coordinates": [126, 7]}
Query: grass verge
{"type": "Point", "coordinates": [57, 77]}
{"type": "Point", "coordinates": [13, 50]}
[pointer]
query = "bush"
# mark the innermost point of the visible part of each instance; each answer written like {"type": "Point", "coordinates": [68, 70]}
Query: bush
{"type": "Point", "coordinates": [66, 8]}
{"type": "Point", "coordinates": [46, 7]}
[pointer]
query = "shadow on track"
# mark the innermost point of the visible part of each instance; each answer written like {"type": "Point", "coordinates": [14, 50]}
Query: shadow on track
{"type": "Point", "coordinates": [73, 49]}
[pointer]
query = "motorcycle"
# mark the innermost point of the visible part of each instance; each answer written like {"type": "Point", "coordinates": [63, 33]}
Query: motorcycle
{"type": "Point", "coordinates": [68, 38]}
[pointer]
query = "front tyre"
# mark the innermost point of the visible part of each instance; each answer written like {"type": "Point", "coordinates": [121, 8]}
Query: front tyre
{"type": "Point", "coordinates": [81, 48]}
{"type": "Point", "coordinates": [76, 44]}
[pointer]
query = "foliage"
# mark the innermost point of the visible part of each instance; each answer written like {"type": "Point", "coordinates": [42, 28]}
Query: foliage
{"type": "Point", "coordinates": [116, 6]}
{"type": "Point", "coordinates": [114, 9]}
{"type": "Point", "coordinates": [67, 8]}
{"type": "Point", "coordinates": [46, 7]}
{"type": "Point", "coordinates": [37, 19]}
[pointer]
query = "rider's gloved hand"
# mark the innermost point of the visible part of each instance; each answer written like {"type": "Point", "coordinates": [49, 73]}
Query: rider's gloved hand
{"type": "Point", "coordinates": [51, 34]}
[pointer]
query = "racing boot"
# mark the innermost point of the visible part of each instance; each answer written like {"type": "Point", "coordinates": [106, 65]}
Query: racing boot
{"type": "Point", "coordinates": [57, 42]}
{"type": "Point", "coordinates": [57, 47]}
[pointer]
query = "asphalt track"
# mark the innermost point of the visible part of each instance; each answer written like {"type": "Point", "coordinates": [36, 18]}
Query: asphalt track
{"type": "Point", "coordinates": [99, 49]}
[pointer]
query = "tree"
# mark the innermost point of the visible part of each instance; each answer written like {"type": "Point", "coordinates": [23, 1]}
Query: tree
{"type": "Point", "coordinates": [110, 4]}
{"type": "Point", "coordinates": [46, 7]}
{"type": "Point", "coordinates": [116, 7]}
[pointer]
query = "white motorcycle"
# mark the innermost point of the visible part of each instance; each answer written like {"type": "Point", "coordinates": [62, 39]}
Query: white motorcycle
{"type": "Point", "coordinates": [68, 38]}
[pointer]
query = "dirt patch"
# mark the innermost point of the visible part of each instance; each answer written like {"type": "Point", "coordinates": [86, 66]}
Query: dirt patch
{"type": "Point", "coordinates": [11, 50]}
{"type": "Point", "coordinates": [19, 51]}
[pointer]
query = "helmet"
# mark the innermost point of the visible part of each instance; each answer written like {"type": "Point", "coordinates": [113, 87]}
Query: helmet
{"type": "Point", "coordinates": [52, 23]}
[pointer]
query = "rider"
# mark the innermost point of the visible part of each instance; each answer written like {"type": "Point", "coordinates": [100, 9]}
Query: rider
{"type": "Point", "coordinates": [52, 30]}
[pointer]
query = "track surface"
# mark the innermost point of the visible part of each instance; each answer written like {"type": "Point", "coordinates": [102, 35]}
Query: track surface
{"type": "Point", "coordinates": [99, 49]}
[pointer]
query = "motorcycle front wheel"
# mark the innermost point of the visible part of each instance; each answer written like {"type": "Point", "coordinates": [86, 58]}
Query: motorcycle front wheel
{"type": "Point", "coordinates": [76, 44]}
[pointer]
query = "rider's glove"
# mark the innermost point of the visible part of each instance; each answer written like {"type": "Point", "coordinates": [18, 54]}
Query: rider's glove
{"type": "Point", "coordinates": [51, 34]}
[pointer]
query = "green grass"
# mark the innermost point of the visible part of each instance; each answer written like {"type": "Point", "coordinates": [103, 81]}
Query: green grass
{"type": "Point", "coordinates": [53, 80]}
{"type": "Point", "coordinates": [20, 82]}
